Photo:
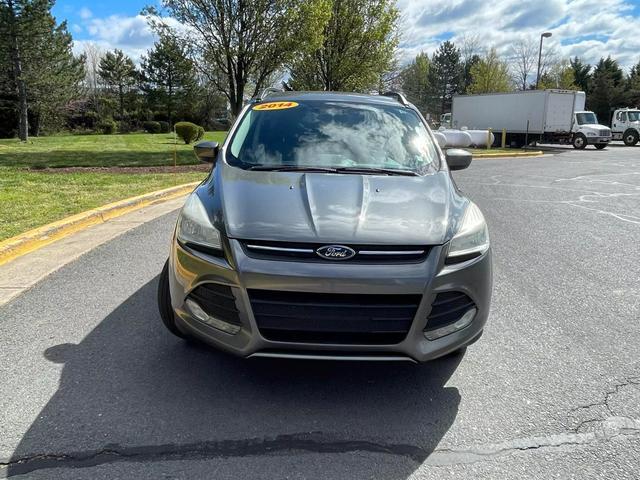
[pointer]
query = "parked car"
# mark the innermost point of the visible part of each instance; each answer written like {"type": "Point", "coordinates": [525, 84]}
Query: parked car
{"type": "Point", "coordinates": [625, 125]}
{"type": "Point", "coordinates": [330, 227]}
{"type": "Point", "coordinates": [532, 116]}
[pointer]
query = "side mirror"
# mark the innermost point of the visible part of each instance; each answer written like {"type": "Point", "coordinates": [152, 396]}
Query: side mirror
{"type": "Point", "coordinates": [458, 159]}
{"type": "Point", "coordinates": [206, 151]}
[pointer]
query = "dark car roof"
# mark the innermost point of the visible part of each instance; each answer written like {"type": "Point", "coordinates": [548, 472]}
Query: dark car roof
{"type": "Point", "coordinates": [293, 96]}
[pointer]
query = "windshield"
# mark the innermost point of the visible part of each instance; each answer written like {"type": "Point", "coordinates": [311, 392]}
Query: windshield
{"type": "Point", "coordinates": [586, 118]}
{"type": "Point", "coordinates": [332, 134]}
{"type": "Point", "coordinates": [634, 116]}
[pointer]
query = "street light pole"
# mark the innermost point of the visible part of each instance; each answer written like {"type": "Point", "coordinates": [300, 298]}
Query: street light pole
{"type": "Point", "coordinates": [542, 37]}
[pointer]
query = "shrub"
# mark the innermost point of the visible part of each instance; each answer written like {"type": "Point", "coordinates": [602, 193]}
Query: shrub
{"type": "Point", "coordinates": [152, 127]}
{"type": "Point", "coordinates": [200, 134]}
{"type": "Point", "coordinates": [108, 127]}
{"type": "Point", "coordinates": [188, 131]}
{"type": "Point", "coordinates": [164, 127]}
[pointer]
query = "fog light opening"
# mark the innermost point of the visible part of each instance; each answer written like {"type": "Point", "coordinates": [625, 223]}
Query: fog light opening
{"type": "Point", "coordinates": [207, 319]}
{"type": "Point", "coordinates": [463, 322]}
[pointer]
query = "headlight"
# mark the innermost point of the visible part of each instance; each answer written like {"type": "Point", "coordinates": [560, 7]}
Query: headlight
{"type": "Point", "coordinates": [195, 227]}
{"type": "Point", "coordinates": [591, 134]}
{"type": "Point", "coordinates": [472, 239]}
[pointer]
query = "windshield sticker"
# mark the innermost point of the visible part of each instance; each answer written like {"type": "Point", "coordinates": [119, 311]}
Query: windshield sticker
{"type": "Point", "coordinates": [275, 106]}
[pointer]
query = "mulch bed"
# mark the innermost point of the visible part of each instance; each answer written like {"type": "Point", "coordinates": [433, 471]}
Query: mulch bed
{"type": "Point", "coordinates": [204, 167]}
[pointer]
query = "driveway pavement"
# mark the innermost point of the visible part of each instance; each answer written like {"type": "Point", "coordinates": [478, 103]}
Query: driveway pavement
{"type": "Point", "coordinates": [93, 387]}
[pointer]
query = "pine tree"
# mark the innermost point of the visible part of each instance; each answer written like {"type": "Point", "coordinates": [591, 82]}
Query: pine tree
{"type": "Point", "coordinates": [445, 75]}
{"type": "Point", "coordinates": [607, 88]}
{"type": "Point", "coordinates": [168, 74]}
{"type": "Point", "coordinates": [415, 81]}
{"type": "Point", "coordinates": [581, 73]}
{"type": "Point", "coordinates": [633, 86]}
{"type": "Point", "coordinates": [117, 70]}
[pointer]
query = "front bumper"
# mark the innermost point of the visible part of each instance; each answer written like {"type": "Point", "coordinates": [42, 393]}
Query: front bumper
{"type": "Point", "coordinates": [189, 269]}
{"type": "Point", "coordinates": [598, 140]}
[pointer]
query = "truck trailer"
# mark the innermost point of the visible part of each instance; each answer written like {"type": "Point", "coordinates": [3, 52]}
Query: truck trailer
{"type": "Point", "coordinates": [532, 116]}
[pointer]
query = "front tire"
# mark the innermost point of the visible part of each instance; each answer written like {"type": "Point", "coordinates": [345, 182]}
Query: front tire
{"type": "Point", "coordinates": [600, 146]}
{"type": "Point", "coordinates": [579, 141]}
{"type": "Point", "coordinates": [630, 138]}
{"type": "Point", "coordinates": [167, 314]}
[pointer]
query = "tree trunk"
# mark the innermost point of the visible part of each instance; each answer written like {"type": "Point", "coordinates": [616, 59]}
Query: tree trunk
{"type": "Point", "coordinates": [21, 88]}
{"type": "Point", "coordinates": [121, 94]}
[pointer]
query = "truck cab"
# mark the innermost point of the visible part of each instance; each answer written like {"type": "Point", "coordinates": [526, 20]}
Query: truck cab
{"type": "Point", "coordinates": [587, 131]}
{"type": "Point", "coordinates": [625, 125]}
{"type": "Point", "coordinates": [445, 120]}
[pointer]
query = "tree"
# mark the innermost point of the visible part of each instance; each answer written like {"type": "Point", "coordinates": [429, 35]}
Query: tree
{"type": "Point", "coordinates": [470, 51]}
{"type": "Point", "coordinates": [633, 86]}
{"type": "Point", "coordinates": [525, 56]}
{"type": "Point", "coordinates": [581, 73]}
{"type": "Point", "coordinates": [167, 73]}
{"type": "Point", "coordinates": [117, 70]}
{"type": "Point", "coordinates": [415, 82]}
{"type": "Point", "coordinates": [358, 46]}
{"type": "Point", "coordinates": [560, 75]}
{"type": "Point", "coordinates": [239, 43]}
{"type": "Point", "coordinates": [37, 54]}
{"type": "Point", "coordinates": [607, 88]}
{"type": "Point", "coordinates": [490, 75]}
{"type": "Point", "coordinates": [445, 74]}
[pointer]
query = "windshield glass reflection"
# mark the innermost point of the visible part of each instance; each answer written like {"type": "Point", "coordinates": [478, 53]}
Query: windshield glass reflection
{"type": "Point", "coordinates": [334, 135]}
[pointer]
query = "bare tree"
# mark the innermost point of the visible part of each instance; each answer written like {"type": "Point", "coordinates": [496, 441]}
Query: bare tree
{"type": "Point", "coordinates": [470, 45]}
{"type": "Point", "coordinates": [524, 55]}
{"type": "Point", "coordinates": [93, 54]}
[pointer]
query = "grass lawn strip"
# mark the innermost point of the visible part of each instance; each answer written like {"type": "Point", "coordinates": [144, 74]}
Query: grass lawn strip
{"type": "Point", "coordinates": [30, 199]}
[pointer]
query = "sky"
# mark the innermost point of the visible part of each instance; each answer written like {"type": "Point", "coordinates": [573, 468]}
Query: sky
{"type": "Point", "coordinates": [589, 29]}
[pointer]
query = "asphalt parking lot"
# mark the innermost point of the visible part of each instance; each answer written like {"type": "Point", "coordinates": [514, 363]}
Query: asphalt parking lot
{"type": "Point", "coordinates": [93, 387]}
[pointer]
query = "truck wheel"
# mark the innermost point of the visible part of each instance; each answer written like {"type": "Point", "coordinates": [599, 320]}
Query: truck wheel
{"type": "Point", "coordinates": [164, 303]}
{"type": "Point", "coordinates": [600, 146]}
{"type": "Point", "coordinates": [579, 141]}
{"type": "Point", "coordinates": [630, 138]}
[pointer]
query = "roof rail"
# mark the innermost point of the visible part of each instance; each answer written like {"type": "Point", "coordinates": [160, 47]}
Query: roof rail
{"type": "Point", "coordinates": [398, 96]}
{"type": "Point", "coordinates": [266, 92]}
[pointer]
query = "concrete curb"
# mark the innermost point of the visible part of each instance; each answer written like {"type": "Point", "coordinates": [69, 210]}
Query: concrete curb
{"type": "Point", "coordinates": [24, 243]}
{"type": "Point", "coordinates": [534, 153]}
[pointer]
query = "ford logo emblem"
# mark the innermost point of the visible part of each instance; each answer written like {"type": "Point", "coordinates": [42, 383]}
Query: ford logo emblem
{"type": "Point", "coordinates": [336, 252]}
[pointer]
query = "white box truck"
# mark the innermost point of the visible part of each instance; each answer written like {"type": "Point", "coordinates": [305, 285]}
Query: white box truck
{"type": "Point", "coordinates": [532, 116]}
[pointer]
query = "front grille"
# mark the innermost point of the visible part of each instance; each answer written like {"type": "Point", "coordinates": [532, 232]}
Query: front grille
{"type": "Point", "coordinates": [306, 252]}
{"type": "Point", "coordinates": [447, 308]}
{"type": "Point", "coordinates": [605, 133]}
{"type": "Point", "coordinates": [333, 318]}
{"type": "Point", "coordinates": [217, 300]}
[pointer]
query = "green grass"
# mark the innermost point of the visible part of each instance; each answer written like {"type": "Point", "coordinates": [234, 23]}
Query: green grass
{"type": "Point", "coordinates": [30, 199]}
{"type": "Point", "coordinates": [130, 150]}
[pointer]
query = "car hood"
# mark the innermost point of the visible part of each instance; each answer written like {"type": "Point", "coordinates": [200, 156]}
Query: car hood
{"type": "Point", "coordinates": [339, 208]}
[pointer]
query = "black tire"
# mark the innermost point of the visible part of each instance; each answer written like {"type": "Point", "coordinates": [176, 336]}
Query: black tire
{"type": "Point", "coordinates": [167, 314]}
{"type": "Point", "coordinates": [630, 137]}
{"type": "Point", "coordinates": [600, 146]}
{"type": "Point", "coordinates": [579, 141]}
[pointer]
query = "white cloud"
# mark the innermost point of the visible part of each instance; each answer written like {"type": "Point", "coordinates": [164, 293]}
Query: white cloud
{"type": "Point", "coordinates": [85, 13]}
{"type": "Point", "coordinates": [587, 28]}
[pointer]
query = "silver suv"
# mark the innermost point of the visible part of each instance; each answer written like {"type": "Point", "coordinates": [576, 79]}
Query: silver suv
{"type": "Point", "coordinates": [329, 228]}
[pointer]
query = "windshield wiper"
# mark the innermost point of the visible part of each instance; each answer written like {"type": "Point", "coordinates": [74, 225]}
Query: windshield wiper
{"type": "Point", "coordinates": [370, 171]}
{"type": "Point", "coordinates": [291, 168]}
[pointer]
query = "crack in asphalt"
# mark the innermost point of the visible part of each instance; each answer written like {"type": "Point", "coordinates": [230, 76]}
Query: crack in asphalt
{"type": "Point", "coordinates": [316, 442]}
{"type": "Point", "coordinates": [309, 442]}
{"type": "Point", "coordinates": [604, 403]}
